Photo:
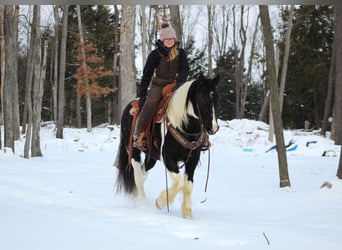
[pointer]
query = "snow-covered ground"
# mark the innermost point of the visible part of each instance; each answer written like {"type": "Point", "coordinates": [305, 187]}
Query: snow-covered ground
{"type": "Point", "coordinates": [67, 199]}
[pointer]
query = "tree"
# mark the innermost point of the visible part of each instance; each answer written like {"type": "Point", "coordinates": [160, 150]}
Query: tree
{"type": "Point", "coordinates": [271, 73]}
{"type": "Point", "coordinates": [176, 22]}
{"type": "Point", "coordinates": [2, 66]}
{"type": "Point", "coordinates": [308, 65]}
{"type": "Point", "coordinates": [39, 65]}
{"type": "Point", "coordinates": [225, 67]}
{"type": "Point", "coordinates": [127, 88]}
{"type": "Point", "coordinates": [61, 77]}
{"type": "Point", "coordinates": [338, 76]}
{"type": "Point", "coordinates": [90, 72]}
{"type": "Point", "coordinates": [55, 63]}
{"type": "Point", "coordinates": [83, 66]}
{"type": "Point", "coordinates": [210, 39]}
{"type": "Point", "coordinates": [10, 84]}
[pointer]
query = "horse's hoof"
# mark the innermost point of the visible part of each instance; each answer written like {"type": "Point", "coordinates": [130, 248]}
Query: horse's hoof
{"type": "Point", "coordinates": [159, 204]}
{"type": "Point", "coordinates": [187, 213]}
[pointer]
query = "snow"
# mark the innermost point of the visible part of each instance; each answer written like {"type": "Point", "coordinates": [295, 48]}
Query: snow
{"type": "Point", "coordinates": [67, 199]}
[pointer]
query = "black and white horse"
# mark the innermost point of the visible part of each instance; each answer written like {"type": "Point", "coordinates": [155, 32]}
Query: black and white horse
{"type": "Point", "coordinates": [189, 118]}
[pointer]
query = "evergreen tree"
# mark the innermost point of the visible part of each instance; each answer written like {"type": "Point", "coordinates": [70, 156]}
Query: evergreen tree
{"type": "Point", "coordinates": [308, 68]}
{"type": "Point", "coordinates": [196, 59]}
{"type": "Point", "coordinates": [98, 24]}
{"type": "Point", "coordinates": [225, 67]}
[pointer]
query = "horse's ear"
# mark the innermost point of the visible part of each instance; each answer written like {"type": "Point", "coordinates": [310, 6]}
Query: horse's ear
{"type": "Point", "coordinates": [216, 80]}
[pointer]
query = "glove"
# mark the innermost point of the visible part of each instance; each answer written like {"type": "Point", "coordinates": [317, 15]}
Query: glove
{"type": "Point", "coordinates": [142, 100]}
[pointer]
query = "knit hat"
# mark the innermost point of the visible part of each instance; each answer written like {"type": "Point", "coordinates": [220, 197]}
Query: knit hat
{"type": "Point", "coordinates": [167, 32]}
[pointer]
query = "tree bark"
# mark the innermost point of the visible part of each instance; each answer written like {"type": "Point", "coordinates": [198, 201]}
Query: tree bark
{"type": "Point", "coordinates": [16, 115]}
{"type": "Point", "coordinates": [61, 77]}
{"type": "Point", "coordinates": [127, 89]}
{"type": "Point", "coordinates": [176, 23]}
{"type": "Point", "coordinates": [28, 91]}
{"type": "Point", "coordinates": [338, 75]}
{"type": "Point", "coordinates": [55, 68]}
{"type": "Point", "coordinates": [88, 99]}
{"type": "Point", "coordinates": [271, 71]}
{"type": "Point", "coordinates": [2, 66]}
{"type": "Point", "coordinates": [114, 112]}
{"type": "Point", "coordinates": [210, 39]}
{"type": "Point", "coordinates": [285, 59]}
{"type": "Point", "coordinates": [10, 76]}
{"type": "Point", "coordinates": [37, 88]}
{"type": "Point", "coordinates": [330, 91]}
{"type": "Point", "coordinates": [248, 79]}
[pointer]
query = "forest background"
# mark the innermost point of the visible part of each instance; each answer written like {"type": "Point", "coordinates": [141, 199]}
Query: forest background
{"type": "Point", "coordinates": [79, 65]}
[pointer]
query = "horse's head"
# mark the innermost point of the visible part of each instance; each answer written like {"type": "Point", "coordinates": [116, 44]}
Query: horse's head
{"type": "Point", "coordinates": [204, 100]}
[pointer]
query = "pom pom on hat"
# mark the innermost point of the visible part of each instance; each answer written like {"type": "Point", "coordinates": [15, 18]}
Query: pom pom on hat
{"type": "Point", "coordinates": [167, 32]}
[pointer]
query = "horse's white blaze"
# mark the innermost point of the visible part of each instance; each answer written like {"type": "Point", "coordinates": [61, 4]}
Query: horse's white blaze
{"type": "Point", "coordinates": [214, 122]}
{"type": "Point", "coordinates": [139, 179]}
{"type": "Point", "coordinates": [169, 196]}
{"type": "Point", "coordinates": [186, 204]}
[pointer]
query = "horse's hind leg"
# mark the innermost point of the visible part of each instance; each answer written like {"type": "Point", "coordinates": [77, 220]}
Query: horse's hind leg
{"type": "Point", "coordinates": [139, 174]}
{"type": "Point", "coordinates": [168, 196]}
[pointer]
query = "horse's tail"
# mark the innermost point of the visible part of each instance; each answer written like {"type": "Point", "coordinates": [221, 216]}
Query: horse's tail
{"type": "Point", "coordinates": [125, 177]}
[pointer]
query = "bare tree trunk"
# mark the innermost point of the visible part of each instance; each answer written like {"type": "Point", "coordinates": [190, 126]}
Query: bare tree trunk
{"type": "Point", "coordinates": [2, 66]}
{"type": "Point", "coordinates": [83, 62]}
{"type": "Point", "coordinates": [210, 39]}
{"type": "Point", "coordinates": [265, 107]}
{"type": "Point", "coordinates": [62, 60]}
{"type": "Point", "coordinates": [240, 61]}
{"type": "Point", "coordinates": [248, 79]}
{"type": "Point", "coordinates": [271, 123]}
{"type": "Point", "coordinates": [16, 115]}
{"type": "Point", "coordinates": [143, 34]}
{"type": "Point", "coordinates": [330, 92]}
{"type": "Point", "coordinates": [37, 106]}
{"type": "Point", "coordinates": [28, 91]}
{"type": "Point", "coordinates": [153, 18]}
{"type": "Point", "coordinates": [127, 89]}
{"type": "Point", "coordinates": [55, 68]}
{"type": "Point", "coordinates": [339, 169]}
{"type": "Point", "coordinates": [271, 70]}
{"type": "Point", "coordinates": [37, 88]}
{"type": "Point", "coordinates": [10, 76]}
{"type": "Point", "coordinates": [338, 75]}
{"type": "Point", "coordinates": [114, 113]}
{"type": "Point", "coordinates": [221, 30]}
{"type": "Point", "coordinates": [338, 81]}
{"type": "Point", "coordinates": [285, 59]}
{"type": "Point", "coordinates": [176, 22]}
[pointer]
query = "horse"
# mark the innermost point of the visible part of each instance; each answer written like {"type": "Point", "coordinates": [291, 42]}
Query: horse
{"type": "Point", "coordinates": [189, 118]}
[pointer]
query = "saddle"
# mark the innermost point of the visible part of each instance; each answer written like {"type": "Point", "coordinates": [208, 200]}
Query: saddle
{"type": "Point", "coordinates": [147, 132]}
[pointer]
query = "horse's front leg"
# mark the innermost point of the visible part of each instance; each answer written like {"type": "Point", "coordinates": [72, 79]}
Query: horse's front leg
{"type": "Point", "coordinates": [139, 178]}
{"type": "Point", "coordinates": [168, 196]}
{"type": "Point", "coordinates": [186, 203]}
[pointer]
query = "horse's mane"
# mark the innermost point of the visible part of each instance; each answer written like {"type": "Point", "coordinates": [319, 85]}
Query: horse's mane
{"type": "Point", "coordinates": [178, 108]}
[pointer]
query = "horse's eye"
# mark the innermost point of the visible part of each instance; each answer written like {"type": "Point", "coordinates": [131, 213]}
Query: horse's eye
{"type": "Point", "coordinates": [211, 94]}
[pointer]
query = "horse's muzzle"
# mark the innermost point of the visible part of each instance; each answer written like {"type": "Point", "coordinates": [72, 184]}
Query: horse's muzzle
{"type": "Point", "coordinates": [213, 129]}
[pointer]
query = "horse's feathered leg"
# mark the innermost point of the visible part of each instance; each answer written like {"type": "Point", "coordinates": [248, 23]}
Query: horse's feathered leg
{"type": "Point", "coordinates": [168, 196]}
{"type": "Point", "coordinates": [186, 203]}
{"type": "Point", "coordinates": [139, 178]}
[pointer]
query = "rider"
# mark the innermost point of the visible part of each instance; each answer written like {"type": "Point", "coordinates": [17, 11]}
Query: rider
{"type": "Point", "coordinates": [169, 62]}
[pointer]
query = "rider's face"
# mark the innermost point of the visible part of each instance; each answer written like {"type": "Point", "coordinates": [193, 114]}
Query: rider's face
{"type": "Point", "coordinates": [169, 42]}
